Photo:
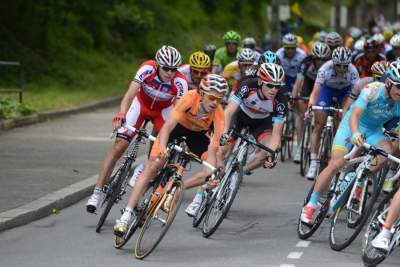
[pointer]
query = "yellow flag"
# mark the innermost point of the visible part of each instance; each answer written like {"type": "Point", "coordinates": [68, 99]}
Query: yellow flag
{"type": "Point", "coordinates": [295, 8]}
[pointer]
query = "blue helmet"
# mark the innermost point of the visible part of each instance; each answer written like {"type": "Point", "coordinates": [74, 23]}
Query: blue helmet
{"type": "Point", "coordinates": [269, 57]}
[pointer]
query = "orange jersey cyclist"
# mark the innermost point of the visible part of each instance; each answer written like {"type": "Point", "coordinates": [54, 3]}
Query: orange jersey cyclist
{"type": "Point", "coordinates": [194, 116]}
{"type": "Point", "coordinates": [151, 94]}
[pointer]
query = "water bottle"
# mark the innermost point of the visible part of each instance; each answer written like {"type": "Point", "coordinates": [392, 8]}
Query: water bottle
{"type": "Point", "coordinates": [340, 189]}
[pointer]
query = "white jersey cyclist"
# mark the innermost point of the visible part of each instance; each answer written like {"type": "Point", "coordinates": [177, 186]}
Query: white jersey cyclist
{"type": "Point", "coordinates": [291, 66]}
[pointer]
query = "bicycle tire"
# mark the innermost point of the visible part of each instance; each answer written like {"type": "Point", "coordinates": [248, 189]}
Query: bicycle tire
{"type": "Point", "coordinates": [202, 211]}
{"type": "Point", "coordinates": [325, 150]}
{"type": "Point", "coordinates": [370, 255]}
{"type": "Point", "coordinates": [214, 204]}
{"type": "Point", "coordinates": [283, 143]}
{"type": "Point", "coordinates": [305, 149]}
{"type": "Point", "coordinates": [291, 131]}
{"type": "Point", "coordinates": [359, 222]}
{"type": "Point", "coordinates": [175, 204]}
{"type": "Point", "coordinates": [319, 218]}
{"type": "Point", "coordinates": [115, 191]}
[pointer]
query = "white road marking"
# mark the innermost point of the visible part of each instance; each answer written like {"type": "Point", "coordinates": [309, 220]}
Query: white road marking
{"type": "Point", "coordinates": [287, 265]}
{"type": "Point", "coordinates": [295, 255]}
{"type": "Point", "coordinates": [303, 244]}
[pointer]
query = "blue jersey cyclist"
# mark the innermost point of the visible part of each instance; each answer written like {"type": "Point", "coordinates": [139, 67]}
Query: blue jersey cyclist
{"type": "Point", "coordinates": [335, 79]}
{"type": "Point", "coordinates": [290, 58]}
{"type": "Point", "coordinates": [378, 103]}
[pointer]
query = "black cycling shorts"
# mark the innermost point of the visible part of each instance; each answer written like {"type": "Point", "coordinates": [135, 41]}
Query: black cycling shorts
{"type": "Point", "coordinates": [197, 142]}
{"type": "Point", "coordinates": [257, 127]}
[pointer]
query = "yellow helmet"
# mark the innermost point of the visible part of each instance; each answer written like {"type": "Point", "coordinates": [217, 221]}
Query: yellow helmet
{"type": "Point", "coordinates": [199, 60]}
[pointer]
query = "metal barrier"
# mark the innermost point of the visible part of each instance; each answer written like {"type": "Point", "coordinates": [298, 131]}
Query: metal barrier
{"type": "Point", "coordinates": [20, 89]}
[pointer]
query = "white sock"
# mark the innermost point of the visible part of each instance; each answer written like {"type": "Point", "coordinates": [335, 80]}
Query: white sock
{"type": "Point", "coordinates": [199, 197]}
{"type": "Point", "coordinates": [314, 156]}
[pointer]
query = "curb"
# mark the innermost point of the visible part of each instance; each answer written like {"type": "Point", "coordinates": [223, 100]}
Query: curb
{"type": "Point", "coordinates": [43, 116]}
{"type": "Point", "coordinates": [45, 205]}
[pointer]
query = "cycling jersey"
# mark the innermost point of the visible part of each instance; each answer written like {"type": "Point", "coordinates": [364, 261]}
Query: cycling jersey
{"type": "Point", "coordinates": [154, 93]}
{"type": "Point", "coordinates": [250, 102]}
{"type": "Point", "coordinates": [222, 58]}
{"type": "Point", "coordinates": [363, 64]}
{"type": "Point", "coordinates": [232, 70]}
{"type": "Point", "coordinates": [185, 70]}
{"type": "Point", "coordinates": [308, 73]}
{"type": "Point", "coordinates": [291, 66]}
{"type": "Point", "coordinates": [377, 109]}
{"type": "Point", "coordinates": [390, 56]}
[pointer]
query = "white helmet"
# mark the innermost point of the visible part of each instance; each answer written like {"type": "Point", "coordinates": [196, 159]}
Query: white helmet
{"type": "Point", "coordinates": [289, 40]}
{"type": "Point", "coordinates": [246, 55]}
{"type": "Point", "coordinates": [168, 56]}
{"type": "Point", "coordinates": [378, 38]}
{"type": "Point", "coordinates": [395, 40]}
{"type": "Point", "coordinates": [341, 55]}
{"type": "Point", "coordinates": [393, 72]}
{"type": "Point", "coordinates": [214, 83]}
{"type": "Point", "coordinates": [320, 50]}
{"type": "Point", "coordinates": [249, 42]}
{"type": "Point", "coordinates": [359, 45]}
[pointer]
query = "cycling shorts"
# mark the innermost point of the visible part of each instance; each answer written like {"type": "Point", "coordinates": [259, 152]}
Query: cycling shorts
{"type": "Point", "coordinates": [197, 142]}
{"type": "Point", "coordinates": [307, 87]}
{"type": "Point", "coordinates": [342, 140]}
{"type": "Point", "coordinates": [289, 82]}
{"type": "Point", "coordinates": [327, 94]}
{"type": "Point", "coordinates": [392, 124]}
{"type": "Point", "coordinates": [136, 115]}
{"type": "Point", "coordinates": [260, 128]}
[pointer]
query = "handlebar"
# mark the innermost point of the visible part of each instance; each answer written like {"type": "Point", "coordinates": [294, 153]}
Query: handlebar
{"type": "Point", "coordinates": [327, 108]}
{"type": "Point", "coordinates": [254, 142]}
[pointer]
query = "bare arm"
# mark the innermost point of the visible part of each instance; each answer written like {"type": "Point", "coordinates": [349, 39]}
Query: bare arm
{"type": "Point", "coordinates": [129, 96]}
{"type": "Point", "coordinates": [315, 94]}
{"type": "Point", "coordinates": [166, 130]}
{"type": "Point", "coordinates": [276, 136]}
{"type": "Point", "coordinates": [297, 86]}
{"type": "Point", "coordinates": [229, 111]}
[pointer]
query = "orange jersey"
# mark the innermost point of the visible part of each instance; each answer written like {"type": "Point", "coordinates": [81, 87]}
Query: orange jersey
{"type": "Point", "coordinates": [185, 112]}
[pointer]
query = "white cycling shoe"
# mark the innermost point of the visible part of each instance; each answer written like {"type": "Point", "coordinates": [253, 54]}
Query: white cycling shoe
{"type": "Point", "coordinates": [193, 208]}
{"type": "Point", "coordinates": [381, 242]}
{"type": "Point", "coordinates": [94, 202]}
{"type": "Point", "coordinates": [312, 171]}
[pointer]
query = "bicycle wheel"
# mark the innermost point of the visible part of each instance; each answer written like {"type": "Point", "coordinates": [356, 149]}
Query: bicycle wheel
{"type": "Point", "coordinates": [158, 221]}
{"type": "Point", "coordinates": [305, 148]}
{"type": "Point", "coordinates": [283, 143]}
{"type": "Point", "coordinates": [304, 230]}
{"type": "Point", "coordinates": [346, 224]}
{"type": "Point", "coordinates": [370, 255]}
{"type": "Point", "coordinates": [290, 134]}
{"type": "Point", "coordinates": [112, 194]}
{"type": "Point", "coordinates": [202, 210]}
{"type": "Point", "coordinates": [222, 201]}
{"type": "Point", "coordinates": [119, 242]}
{"type": "Point", "coordinates": [324, 153]}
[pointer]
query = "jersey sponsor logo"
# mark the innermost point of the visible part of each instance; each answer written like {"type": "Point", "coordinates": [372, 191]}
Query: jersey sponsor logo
{"type": "Point", "coordinates": [243, 91]}
{"type": "Point", "coordinates": [144, 74]}
{"type": "Point", "coordinates": [280, 107]}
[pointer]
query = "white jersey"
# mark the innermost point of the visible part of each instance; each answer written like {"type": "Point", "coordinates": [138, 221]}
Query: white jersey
{"type": "Point", "coordinates": [327, 77]}
{"type": "Point", "coordinates": [185, 70]}
{"type": "Point", "coordinates": [291, 66]}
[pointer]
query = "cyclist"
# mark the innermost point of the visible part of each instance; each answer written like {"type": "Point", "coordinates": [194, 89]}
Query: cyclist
{"type": "Point", "coordinates": [394, 53]}
{"type": "Point", "coordinates": [380, 42]}
{"type": "Point", "coordinates": [333, 40]}
{"type": "Point", "coordinates": [227, 54]}
{"type": "Point", "coordinates": [250, 42]}
{"type": "Point", "coordinates": [260, 104]}
{"type": "Point", "coordinates": [155, 87]}
{"type": "Point", "coordinates": [194, 116]}
{"type": "Point", "coordinates": [199, 66]}
{"type": "Point", "coordinates": [377, 103]}
{"type": "Point", "coordinates": [290, 57]}
{"type": "Point", "coordinates": [334, 80]}
{"type": "Point", "coordinates": [364, 61]}
{"type": "Point", "coordinates": [304, 83]}
{"type": "Point", "coordinates": [210, 51]}
{"type": "Point", "coordinates": [236, 69]}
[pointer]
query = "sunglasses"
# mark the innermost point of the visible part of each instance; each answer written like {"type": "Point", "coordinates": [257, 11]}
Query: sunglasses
{"type": "Point", "coordinates": [341, 66]}
{"type": "Point", "coordinates": [169, 69]}
{"type": "Point", "coordinates": [320, 59]}
{"type": "Point", "coordinates": [290, 47]}
{"type": "Point", "coordinates": [271, 86]}
{"type": "Point", "coordinates": [199, 72]}
{"type": "Point", "coordinates": [213, 98]}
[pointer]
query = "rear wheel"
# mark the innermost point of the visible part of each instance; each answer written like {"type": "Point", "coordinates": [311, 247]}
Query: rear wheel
{"type": "Point", "coordinates": [158, 221]}
{"type": "Point", "coordinates": [324, 153]}
{"type": "Point", "coordinates": [305, 148]}
{"type": "Point", "coordinates": [290, 134]}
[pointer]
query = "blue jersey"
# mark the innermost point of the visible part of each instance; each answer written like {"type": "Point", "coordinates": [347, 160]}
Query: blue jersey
{"type": "Point", "coordinates": [377, 107]}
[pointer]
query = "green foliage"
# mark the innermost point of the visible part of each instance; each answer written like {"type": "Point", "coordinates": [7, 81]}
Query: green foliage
{"type": "Point", "coordinates": [11, 109]}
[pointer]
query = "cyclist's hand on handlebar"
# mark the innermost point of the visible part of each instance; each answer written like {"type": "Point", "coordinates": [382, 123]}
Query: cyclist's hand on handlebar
{"type": "Point", "coordinates": [270, 161]}
{"type": "Point", "coordinates": [118, 120]}
{"type": "Point", "coordinates": [358, 139]}
{"type": "Point", "coordinates": [308, 113]}
{"type": "Point", "coordinates": [224, 139]}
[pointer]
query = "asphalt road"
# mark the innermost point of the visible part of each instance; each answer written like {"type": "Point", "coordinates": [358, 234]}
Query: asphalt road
{"type": "Point", "coordinates": [260, 230]}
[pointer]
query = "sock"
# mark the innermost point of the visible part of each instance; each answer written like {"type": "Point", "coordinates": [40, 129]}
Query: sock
{"type": "Point", "coordinates": [386, 231]}
{"type": "Point", "coordinates": [128, 210]}
{"type": "Point", "coordinates": [199, 197]}
{"type": "Point", "coordinates": [314, 199]}
{"type": "Point", "coordinates": [314, 156]}
{"type": "Point", "coordinates": [97, 191]}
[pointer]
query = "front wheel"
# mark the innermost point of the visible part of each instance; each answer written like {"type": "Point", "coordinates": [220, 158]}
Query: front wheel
{"type": "Point", "coordinates": [305, 149]}
{"type": "Point", "coordinates": [158, 221]}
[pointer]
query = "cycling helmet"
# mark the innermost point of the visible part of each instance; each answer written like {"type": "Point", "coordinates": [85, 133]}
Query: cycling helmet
{"type": "Point", "coordinates": [249, 42]}
{"type": "Point", "coordinates": [378, 38]}
{"type": "Point", "coordinates": [214, 83]}
{"type": "Point", "coordinates": [393, 72]}
{"type": "Point", "coordinates": [379, 68]}
{"type": "Point", "coordinates": [246, 55]}
{"type": "Point", "coordinates": [355, 32]}
{"type": "Point", "coordinates": [369, 44]}
{"type": "Point", "coordinates": [322, 36]}
{"type": "Point", "coordinates": [359, 45]}
{"type": "Point", "coordinates": [333, 39]}
{"type": "Point", "coordinates": [395, 40]}
{"type": "Point", "coordinates": [210, 49]}
{"type": "Point", "coordinates": [168, 56]}
{"type": "Point", "coordinates": [231, 37]}
{"type": "Point", "coordinates": [289, 40]}
{"type": "Point", "coordinates": [268, 57]}
{"type": "Point", "coordinates": [271, 73]}
{"type": "Point", "coordinates": [341, 55]}
{"type": "Point", "coordinates": [320, 50]}
{"type": "Point", "coordinates": [199, 60]}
